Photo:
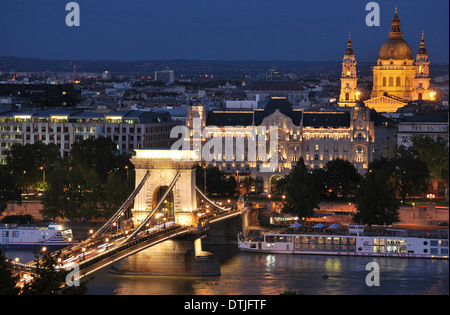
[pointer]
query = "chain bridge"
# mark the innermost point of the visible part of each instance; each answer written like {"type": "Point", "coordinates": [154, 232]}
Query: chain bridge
{"type": "Point", "coordinates": [166, 208]}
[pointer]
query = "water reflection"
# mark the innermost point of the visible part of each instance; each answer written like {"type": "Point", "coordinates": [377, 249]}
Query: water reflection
{"type": "Point", "coordinates": [271, 274]}
{"type": "Point", "coordinates": [333, 265]}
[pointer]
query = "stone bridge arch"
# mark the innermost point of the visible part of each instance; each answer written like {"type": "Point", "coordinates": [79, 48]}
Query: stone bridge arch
{"type": "Point", "coordinates": [163, 166]}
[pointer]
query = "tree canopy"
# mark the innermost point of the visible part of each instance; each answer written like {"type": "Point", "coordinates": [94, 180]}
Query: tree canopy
{"type": "Point", "coordinates": [376, 200]}
{"type": "Point", "coordinates": [301, 199]}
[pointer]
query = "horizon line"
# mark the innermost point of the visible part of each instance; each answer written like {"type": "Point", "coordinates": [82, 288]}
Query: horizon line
{"type": "Point", "coordinates": [193, 60]}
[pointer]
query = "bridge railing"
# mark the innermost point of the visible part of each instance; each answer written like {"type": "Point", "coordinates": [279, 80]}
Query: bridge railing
{"type": "Point", "coordinates": [130, 247]}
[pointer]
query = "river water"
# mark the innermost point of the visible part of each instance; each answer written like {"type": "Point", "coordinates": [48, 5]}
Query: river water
{"type": "Point", "coordinates": [271, 274]}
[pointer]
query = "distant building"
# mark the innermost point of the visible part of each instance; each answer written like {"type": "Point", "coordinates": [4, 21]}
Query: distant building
{"type": "Point", "coordinates": [38, 96]}
{"type": "Point", "coordinates": [106, 75]}
{"type": "Point", "coordinates": [166, 76]}
{"type": "Point", "coordinates": [432, 124]}
{"type": "Point", "coordinates": [263, 89]}
{"type": "Point", "coordinates": [128, 129]}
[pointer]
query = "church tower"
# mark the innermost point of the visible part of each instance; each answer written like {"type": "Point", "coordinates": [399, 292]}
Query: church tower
{"type": "Point", "coordinates": [422, 76]}
{"type": "Point", "coordinates": [394, 73]}
{"type": "Point", "coordinates": [349, 92]}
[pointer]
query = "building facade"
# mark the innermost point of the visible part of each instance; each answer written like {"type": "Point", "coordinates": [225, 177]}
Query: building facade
{"type": "Point", "coordinates": [431, 124]}
{"type": "Point", "coordinates": [317, 137]}
{"type": "Point", "coordinates": [398, 78]}
{"type": "Point", "coordinates": [130, 130]}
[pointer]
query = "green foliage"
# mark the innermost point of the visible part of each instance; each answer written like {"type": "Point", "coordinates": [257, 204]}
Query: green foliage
{"type": "Point", "coordinates": [9, 190]}
{"type": "Point", "coordinates": [375, 200]}
{"type": "Point", "coordinates": [341, 178]}
{"type": "Point", "coordinates": [410, 172]}
{"type": "Point", "coordinates": [47, 280]}
{"type": "Point", "coordinates": [7, 279]}
{"type": "Point", "coordinates": [434, 152]}
{"type": "Point", "coordinates": [99, 154]}
{"type": "Point", "coordinates": [248, 182]}
{"type": "Point", "coordinates": [27, 163]}
{"type": "Point", "coordinates": [301, 199]}
{"type": "Point", "coordinates": [18, 219]}
{"type": "Point", "coordinates": [92, 183]}
{"type": "Point", "coordinates": [216, 181]}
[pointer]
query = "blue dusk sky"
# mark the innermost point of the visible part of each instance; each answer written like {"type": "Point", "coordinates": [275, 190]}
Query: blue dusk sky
{"type": "Point", "coordinates": [216, 29]}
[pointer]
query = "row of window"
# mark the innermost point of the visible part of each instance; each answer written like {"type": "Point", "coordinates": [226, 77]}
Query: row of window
{"type": "Point", "coordinates": [326, 148]}
{"type": "Point", "coordinates": [398, 81]}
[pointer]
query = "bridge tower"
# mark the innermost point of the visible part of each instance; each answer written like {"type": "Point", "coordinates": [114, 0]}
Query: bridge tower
{"type": "Point", "coordinates": [182, 256]}
{"type": "Point", "coordinates": [163, 166]}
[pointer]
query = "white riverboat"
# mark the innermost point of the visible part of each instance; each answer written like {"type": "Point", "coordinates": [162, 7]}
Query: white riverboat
{"type": "Point", "coordinates": [321, 243]}
{"type": "Point", "coordinates": [52, 237]}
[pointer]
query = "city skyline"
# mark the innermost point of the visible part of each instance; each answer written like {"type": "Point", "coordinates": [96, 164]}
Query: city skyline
{"type": "Point", "coordinates": [198, 30]}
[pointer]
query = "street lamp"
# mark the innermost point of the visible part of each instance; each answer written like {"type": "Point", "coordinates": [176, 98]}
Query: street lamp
{"type": "Point", "coordinates": [43, 179]}
{"type": "Point", "coordinates": [204, 168]}
{"type": "Point", "coordinates": [126, 167]}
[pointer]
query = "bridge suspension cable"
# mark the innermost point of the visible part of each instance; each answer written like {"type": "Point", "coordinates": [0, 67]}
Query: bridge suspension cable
{"type": "Point", "coordinates": [211, 202]}
{"type": "Point", "coordinates": [122, 209]}
{"type": "Point", "coordinates": [147, 219]}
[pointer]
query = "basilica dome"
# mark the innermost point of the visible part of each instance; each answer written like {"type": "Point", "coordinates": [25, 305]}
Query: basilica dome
{"type": "Point", "coordinates": [395, 47]}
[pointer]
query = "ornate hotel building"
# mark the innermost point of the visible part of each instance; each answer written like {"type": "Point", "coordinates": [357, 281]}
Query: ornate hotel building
{"type": "Point", "coordinates": [317, 137]}
{"type": "Point", "coordinates": [398, 78]}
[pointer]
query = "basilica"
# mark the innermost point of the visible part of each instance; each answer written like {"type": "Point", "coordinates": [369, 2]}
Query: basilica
{"type": "Point", "coordinates": [398, 78]}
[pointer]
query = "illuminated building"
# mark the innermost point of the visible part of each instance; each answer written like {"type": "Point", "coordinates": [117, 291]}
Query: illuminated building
{"type": "Point", "coordinates": [317, 137]}
{"type": "Point", "coordinates": [129, 129]}
{"type": "Point", "coordinates": [398, 78]}
{"type": "Point", "coordinates": [349, 79]}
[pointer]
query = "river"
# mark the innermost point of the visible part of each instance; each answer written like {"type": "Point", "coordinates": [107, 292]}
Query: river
{"type": "Point", "coordinates": [271, 274]}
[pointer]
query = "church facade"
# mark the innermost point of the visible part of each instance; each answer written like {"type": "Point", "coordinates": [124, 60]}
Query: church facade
{"type": "Point", "coordinates": [398, 77]}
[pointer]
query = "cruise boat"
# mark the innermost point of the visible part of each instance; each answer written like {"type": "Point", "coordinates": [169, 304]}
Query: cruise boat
{"type": "Point", "coordinates": [52, 237]}
{"type": "Point", "coordinates": [349, 244]}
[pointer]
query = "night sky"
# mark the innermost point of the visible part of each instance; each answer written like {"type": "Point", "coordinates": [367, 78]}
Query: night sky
{"type": "Point", "coordinates": [216, 30]}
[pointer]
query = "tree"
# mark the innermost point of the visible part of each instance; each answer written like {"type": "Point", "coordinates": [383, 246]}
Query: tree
{"type": "Point", "coordinates": [54, 200]}
{"type": "Point", "coordinates": [411, 173]}
{"type": "Point", "coordinates": [9, 190]}
{"type": "Point", "coordinates": [230, 186]}
{"type": "Point", "coordinates": [47, 280]}
{"type": "Point", "coordinates": [435, 153]}
{"type": "Point", "coordinates": [341, 178]}
{"type": "Point", "coordinates": [114, 195]}
{"type": "Point", "coordinates": [27, 162]}
{"type": "Point", "coordinates": [375, 200]}
{"type": "Point", "coordinates": [8, 281]}
{"type": "Point", "coordinates": [319, 182]}
{"type": "Point", "coordinates": [99, 154]}
{"type": "Point", "coordinates": [216, 181]}
{"type": "Point", "coordinates": [248, 182]}
{"type": "Point", "coordinates": [301, 199]}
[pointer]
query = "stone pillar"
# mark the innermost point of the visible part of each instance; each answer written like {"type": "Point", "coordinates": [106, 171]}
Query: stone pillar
{"type": "Point", "coordinates": [177, 257]}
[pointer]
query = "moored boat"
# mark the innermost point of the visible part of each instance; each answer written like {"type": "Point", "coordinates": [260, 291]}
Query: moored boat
{"type": "Point", "coordinates": [52, 237]}
{"type": "Point", "coordinates": [349, 244]}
